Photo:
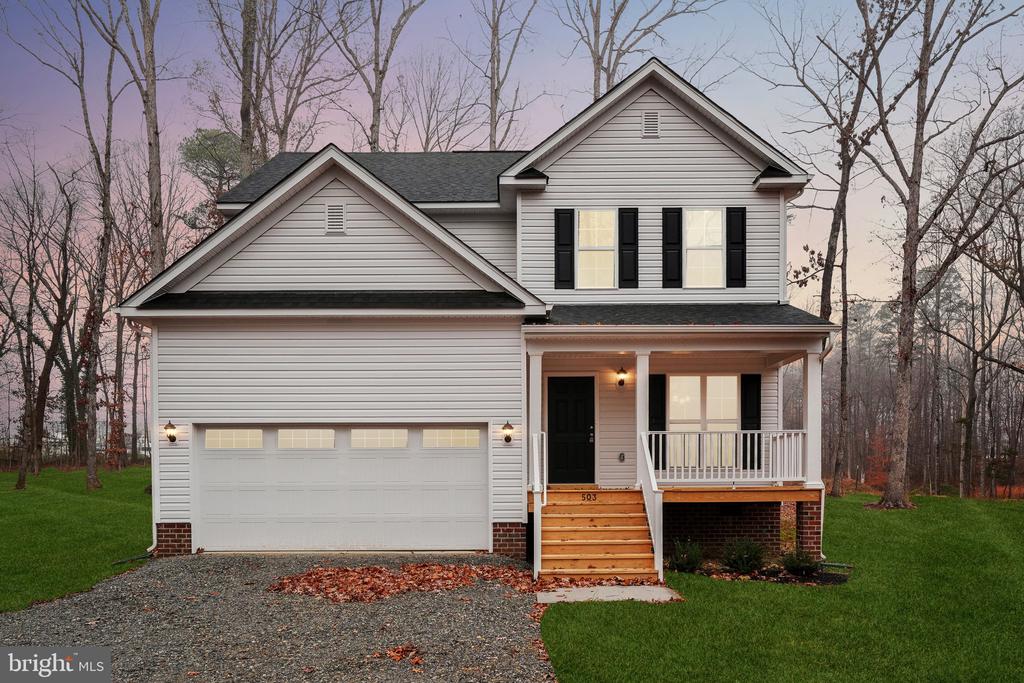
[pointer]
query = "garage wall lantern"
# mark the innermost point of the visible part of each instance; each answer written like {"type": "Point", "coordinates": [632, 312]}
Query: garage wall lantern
{"type": "Point", "coordinates": [171, 432]}
{"type": "Point", "coordinates": [622, 375]}
{"type": "Point", "coordinates": [506, 429]}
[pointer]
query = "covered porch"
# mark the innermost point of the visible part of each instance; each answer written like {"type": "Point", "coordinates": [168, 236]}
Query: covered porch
{"type": "Point", "coordinates": [694, 412]}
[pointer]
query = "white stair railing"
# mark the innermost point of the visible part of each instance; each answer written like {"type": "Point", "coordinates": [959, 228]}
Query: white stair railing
{"type": "Point", "coordinates": [739, 457]}
{"type": "Point", "coordinates": [652, 505]}
{"type": "Point", "coordinates": [539, 488]}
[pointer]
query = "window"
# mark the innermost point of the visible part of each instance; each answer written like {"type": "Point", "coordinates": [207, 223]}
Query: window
{"type": "Point", "coordinates": [704, 257]}
{"type": "Point", "coordinates": [595, 261]}
{"type": "Point", "coordinates": [704, 403]}
{"type": "Point", "coordinates": [234, 438]}
{"type": "Point", "coordinates": [451, 438]}
{"type": "Point", "coordinates": [305, 438]}
{"type": "Point", "coordinates": [380, 438]}
{"type": "Point", "coordinates": [650, 124]}
{"type": "Point", "coordinates": [335, 217]}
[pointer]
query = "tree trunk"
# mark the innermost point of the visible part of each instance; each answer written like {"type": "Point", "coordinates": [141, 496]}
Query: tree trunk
{"type": "Point", "coordinates": [844, 375]}
{"type": "Point", "coordinates": [245, 110]}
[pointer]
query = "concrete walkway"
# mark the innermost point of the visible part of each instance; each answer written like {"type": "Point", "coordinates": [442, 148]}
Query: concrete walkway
{"type": "Point", "coordinates": [609, 594]}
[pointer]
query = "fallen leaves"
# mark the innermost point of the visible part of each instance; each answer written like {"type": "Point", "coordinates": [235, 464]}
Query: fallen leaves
{"type": "Point", "coordinates": [369, 584]}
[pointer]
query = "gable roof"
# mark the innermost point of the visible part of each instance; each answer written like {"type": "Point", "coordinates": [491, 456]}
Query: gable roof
{"type": "Point", "coordinates": [330, 156]}
{"type": "Point", "coordinates": [417, 176]}
{"type": "Point", "coordinates": [657, 70]}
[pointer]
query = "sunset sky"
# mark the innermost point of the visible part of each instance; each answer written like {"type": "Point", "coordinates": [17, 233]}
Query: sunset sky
{"type": "Point", "coordinates": [44, 107]}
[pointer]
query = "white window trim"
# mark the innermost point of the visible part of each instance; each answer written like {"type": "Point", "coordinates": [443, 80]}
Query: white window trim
{"type": "Point", "coordinates": [720, 209]}
{"type": "Point", "coordinates": [614, 249]}
{"type": "Point", "coordinates": [704, 420]}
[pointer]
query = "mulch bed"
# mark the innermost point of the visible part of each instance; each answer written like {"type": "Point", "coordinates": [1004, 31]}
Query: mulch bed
{"type": "Point", "coordinates": [369, 584]}
{"type": "Point", "coordinates": [773, 574]}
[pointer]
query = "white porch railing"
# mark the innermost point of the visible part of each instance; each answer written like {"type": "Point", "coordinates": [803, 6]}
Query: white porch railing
{"type": "Point", "coordinates": [727, 457]}
{"type": "Point", "coordinates": [539, 487]}
{"type": "Point", "coordinates": [652, 505]}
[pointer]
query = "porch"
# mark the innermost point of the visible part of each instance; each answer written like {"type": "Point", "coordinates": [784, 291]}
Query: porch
{"type": "Point", "coordinates": [687, 419]}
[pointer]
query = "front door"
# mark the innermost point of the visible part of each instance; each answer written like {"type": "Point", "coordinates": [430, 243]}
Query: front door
{"type": "Point", "coordinates": [571, 430]}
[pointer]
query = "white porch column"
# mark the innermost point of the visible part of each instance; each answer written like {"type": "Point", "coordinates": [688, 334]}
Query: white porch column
{"type": "Point", "coordinates": [812, 418]}
{"type": "Point", "coordinates": [643, 371]}
{"type": "Point", "coordinates": [535, 391]}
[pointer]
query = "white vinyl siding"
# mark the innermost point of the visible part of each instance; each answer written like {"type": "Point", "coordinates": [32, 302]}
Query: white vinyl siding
{"type": "Point", "coordinates": [687, 166]}
{"type": "Point", "coordinates": [372, 252]}
{"type": "Point", "coordinates": [336, 371]}
{"type": "Point", "coordinates": [491, 236]}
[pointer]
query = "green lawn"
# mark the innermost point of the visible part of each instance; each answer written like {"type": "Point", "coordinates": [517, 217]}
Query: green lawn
{"type": "Point", "coordinates": [57, 539]}
{"type": "Point", "coordinates": [937, 594]}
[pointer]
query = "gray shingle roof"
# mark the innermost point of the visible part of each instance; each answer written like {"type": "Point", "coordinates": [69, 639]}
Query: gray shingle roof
{"type": "Point", "coordinates": [203, 300]}
{"type": "Point", "coordinates": [417, 176]}
{"type": "Point", "coordinates": [681, 314]}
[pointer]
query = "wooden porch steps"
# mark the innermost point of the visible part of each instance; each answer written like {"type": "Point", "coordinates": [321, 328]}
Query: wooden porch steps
{"type": "Point", "coordinates": [587, 532]}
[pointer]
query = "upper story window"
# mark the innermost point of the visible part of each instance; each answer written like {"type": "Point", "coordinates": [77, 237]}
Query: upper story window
{"type": "Point", "coordinates": [704, 245]}
{"type": "Point", "coordinates": [596, 248]}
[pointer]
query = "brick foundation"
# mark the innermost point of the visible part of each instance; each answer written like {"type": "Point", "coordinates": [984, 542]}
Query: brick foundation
{"type": "Point", "coordinates": [173, 538]}
{"type": "Point", "coordinates": [808, 527]}
{"type": "Point", "coordinates": [714, 525]}
{"type": "Point", "coordinates": [510, 539]}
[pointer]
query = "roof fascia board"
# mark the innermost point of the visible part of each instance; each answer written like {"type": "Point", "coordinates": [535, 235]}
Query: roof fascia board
{"type": "Point", "coordinates": [458, 206]}
{"type": "Point", "coordinates": [697, 99]}
{"type": "Point", "coordinates": [604, 330]}
{"type": "Point", "coordinates": [137, 313]}
{"type": "Point", "coordinates": [778, 183]}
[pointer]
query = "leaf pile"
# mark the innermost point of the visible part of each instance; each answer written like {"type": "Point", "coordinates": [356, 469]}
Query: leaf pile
{"type": "Point", "coordinates": [369, 584]}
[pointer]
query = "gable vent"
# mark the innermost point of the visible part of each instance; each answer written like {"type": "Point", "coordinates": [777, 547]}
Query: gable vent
{"type": "Point", "coordinates": [335, 218]}
{"type": "Point", "coordinates": [650, 122]}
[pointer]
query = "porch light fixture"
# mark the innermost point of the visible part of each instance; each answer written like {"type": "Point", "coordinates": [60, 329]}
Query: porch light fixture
{"type": "Point", "coordinates": [622, 374]}
{"type": "Point", "coordinates": [171, 432]}
{"type": "Point", "coordinates": [506, 429]}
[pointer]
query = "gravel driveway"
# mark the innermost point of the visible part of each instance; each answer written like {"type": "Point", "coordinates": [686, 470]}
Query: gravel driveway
{"type": "Point", "coordinates": [210, 618]}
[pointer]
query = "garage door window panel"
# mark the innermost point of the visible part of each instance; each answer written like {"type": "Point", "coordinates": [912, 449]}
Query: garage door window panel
{"type": "Point", "coordinates": [451, 438]}
{"type": "Point", "coordinates": [216, 439]}
{"type": "Point", "coordinates": [317, 439]}
{"type": "Point", "coordinates": [380, 438]}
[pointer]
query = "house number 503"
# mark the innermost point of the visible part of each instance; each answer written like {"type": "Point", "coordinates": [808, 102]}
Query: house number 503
{"type": "Point", "coordinates": [589, 497]}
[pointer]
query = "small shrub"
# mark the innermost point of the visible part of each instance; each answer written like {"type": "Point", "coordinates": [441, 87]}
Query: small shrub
{"type": "Point", "coordinates": [801, 563]}
{"type": "Point", "coordinates": [686, 557]}
{"type": "Point", "coordinates": [744, 556]}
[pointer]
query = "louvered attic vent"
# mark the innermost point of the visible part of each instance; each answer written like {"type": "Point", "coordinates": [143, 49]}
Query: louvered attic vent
{"type": "Point", "coordinates": [650, 124]}
{"type": "Point", "coordinates": [335, 218]}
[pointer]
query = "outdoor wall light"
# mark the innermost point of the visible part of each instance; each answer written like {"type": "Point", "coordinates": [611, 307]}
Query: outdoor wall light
{"type": "Point", "coordinates": [506, 429]}
{"type": "Point", "coordinates": [171, 432]}
{"type": "Point", "coordinates": [622, 374]}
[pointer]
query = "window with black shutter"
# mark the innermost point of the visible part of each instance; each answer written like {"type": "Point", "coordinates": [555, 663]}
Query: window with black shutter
{"type": "Point", "coordinates": [736, 246]}
{"type": "Point", "coordinates": [629, 249]}
{"type": "Point", "coordinates": [565, 248]}
{"type": "Point", "coordinates": [672, 247]}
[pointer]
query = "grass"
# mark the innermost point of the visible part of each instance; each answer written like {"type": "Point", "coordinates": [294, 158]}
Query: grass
{"type": "Point", "coordinates": [937, 594]}
{"type": "Point", "coordinates": [57, 539]}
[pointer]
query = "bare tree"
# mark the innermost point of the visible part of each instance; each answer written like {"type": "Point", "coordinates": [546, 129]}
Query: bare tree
{"type": "Point", "coordinates": [139, 57]}
{"type": "Point", "coordinates": [443, 102]}
{"type": "Point", "coordinates": [291, 79]}
{"type": "Point", "coordinates": [919, 107]}
{"type": "Point", "coordinates": [610, 34]}
{"type": "Point", "coordinates": [368, 44]}
{"type": "Point", "coordinates": [505, 26]}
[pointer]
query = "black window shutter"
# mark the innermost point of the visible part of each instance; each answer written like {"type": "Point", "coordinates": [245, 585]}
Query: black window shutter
{"type": "Point", "coordinates": [565, 248]}
{"type": "Point", "coordinates": [750, 419]}
{"type": "Point", "coordinates": [736, 246]}
{"type": "Point", "coordinates": [657, 420]}
{"type": "Point", "coordinates": [629, 249]}
{"type": "Point", "coordinates": [672, 247]}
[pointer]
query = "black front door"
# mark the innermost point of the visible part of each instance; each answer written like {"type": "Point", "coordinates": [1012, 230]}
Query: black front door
{"type": "Point", "coordinates": [571, 430]}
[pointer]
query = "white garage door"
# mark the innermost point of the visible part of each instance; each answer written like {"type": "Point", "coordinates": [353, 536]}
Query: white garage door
{"type": "Point", "coordinates": [342, 488]}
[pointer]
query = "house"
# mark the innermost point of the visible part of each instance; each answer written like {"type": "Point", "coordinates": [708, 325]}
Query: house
{"type": "Point", "coordinates": [570, 353]}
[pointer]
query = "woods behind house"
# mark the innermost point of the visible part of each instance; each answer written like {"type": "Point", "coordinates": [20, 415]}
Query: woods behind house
{"type": "Point", "coordinates": [924, 389]}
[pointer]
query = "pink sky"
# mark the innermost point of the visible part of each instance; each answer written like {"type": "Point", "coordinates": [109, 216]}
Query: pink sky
{"type": "Point", "coordinates": [44, 105]}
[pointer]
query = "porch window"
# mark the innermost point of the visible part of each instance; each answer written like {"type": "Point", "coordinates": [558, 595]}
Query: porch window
{"type": "Point", "coordinates": [596, 244]}
{"type": "Point", "coordinates": [703, 239]}
{"type": "Point", "coordinates": [703, 403]}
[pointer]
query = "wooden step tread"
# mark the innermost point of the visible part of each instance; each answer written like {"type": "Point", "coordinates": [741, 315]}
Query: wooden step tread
{"type": "Point", "coordinates": [585, 527]}
{"type": "Point", "coordinates": [594, 514]}
{"type": "Point", "coordinates": [596, 541]}
{"type": "Point", "coordinates": [606, 571]}
{"type": "Point", "coordinates": [599, 556]}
